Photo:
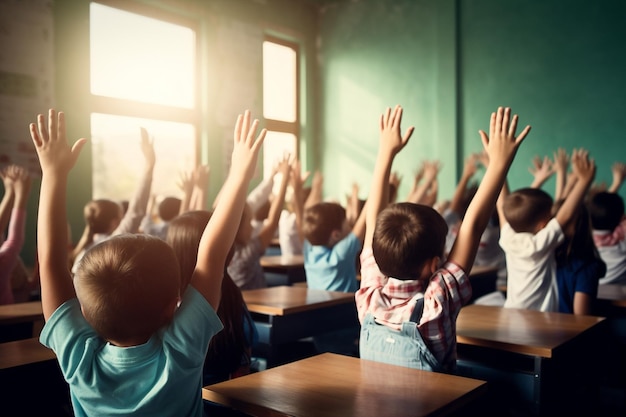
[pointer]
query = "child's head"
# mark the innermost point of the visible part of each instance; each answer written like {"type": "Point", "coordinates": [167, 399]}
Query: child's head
{"type": "Point", "coordinates": [169, 208]}
{"type": "Point", "coordinates": [128, 287]}
{"type": "Point", "coordinates": [103, 215]}
{"type": "Point", "coordinates": [325, 224]}
{"type": "Point", "coordinates": [606, 210]}
{"type": "Point", "coordinates": [527, 209]}
{"type": "Point", "coordinates": [407, 238]}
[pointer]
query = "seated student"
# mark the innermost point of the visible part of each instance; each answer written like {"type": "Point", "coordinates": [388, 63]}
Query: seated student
{"type": "Point", "coordinates": [17, 183]}
{"type": "Point", "coordinates": [105, 218]}
{"type": "Point", "coordinates": [245, 266]}
{"type": "Point", "coordinates": [167, 209]}
{"type": "Point", "coordinates": [126, 342]}
{"type": "Point", "coordinates": [230, 350]}
{"type": "Point", "coordinates": [608, 222]}
{"type": "Point", "coordinates": [578, 263]}
{"type": "Point", "coordinates": [530, 234]}
{"type": "Point", "coordinates": [331, 244]}
{"type": "Point", "coordinates": [409, 298]}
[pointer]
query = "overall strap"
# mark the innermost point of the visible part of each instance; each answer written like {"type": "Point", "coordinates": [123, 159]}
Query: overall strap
{"type": "Point", "coordinates": [416, 316]}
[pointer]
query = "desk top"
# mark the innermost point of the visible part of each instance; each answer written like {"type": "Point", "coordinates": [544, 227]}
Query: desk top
{"type": "Point", "coordinates": [615, 293]}
{"type": "Point", "coordinates": [337, 385]}
{"type": "Point", "coordinates": [21, 312]}
{"type": "Point", "coordinates": [23, 352]}
{"type": "Point", "coordinates": [280, 261]}
{"type": "Point", "coordinates": [283, 300]}
{"type": "Point", "coordinates": [527, 332]}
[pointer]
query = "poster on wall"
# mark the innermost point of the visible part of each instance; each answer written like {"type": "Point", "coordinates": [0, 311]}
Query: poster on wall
{"type": "Point", "coordinates": [26, 76]}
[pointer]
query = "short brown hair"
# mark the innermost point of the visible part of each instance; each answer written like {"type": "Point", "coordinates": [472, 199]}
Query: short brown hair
{"type": "Point", "coordinates": [405, 237]}
{"type": "Point", "coordinates": [125, 283]}
{"type": "Point", "coordinates": [169, 208]}
{"type": "Point", "coordinates": [320, 220]}
{"type": "Point", "coordinates": [526, 207]}
{"type": "Point", "coordinates": [99, 214]}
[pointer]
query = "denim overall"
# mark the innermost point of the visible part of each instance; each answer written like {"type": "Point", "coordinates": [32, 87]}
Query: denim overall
{"type": "Point", "coordinates": [403, 347]}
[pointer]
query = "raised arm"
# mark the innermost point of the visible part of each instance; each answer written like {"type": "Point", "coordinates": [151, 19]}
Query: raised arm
{"type": "Point", "coordinates": [270, 225]}
{"type": "Point", "coordinates": [390, 143]}
{"type": "Point", "coordinates": [469, 169]}
{"type": "Point", "coordinates": [6, 205]}
{"type": "Point", "coordinates": [619, 173]}
{"type": "Point", "coordinates": [201, 177]}
{"type": "Point", "coordinates": [430, 198]}
{"type": "Point", "coordinates": [501, 146]}
{"type": "Point", "coordinates": [185, 183]}
{"type": "Point", "coordinates": [430, 171]}
{"type": "Point", "coordinates": [584, 169]}
{"type": "Point", "coordinates": [219, 234]}
{"type": "Point", "coordinates": [541, 170]}
{"type": "Point", "coordinates": [56, 159]}
{"type": "Point", "coordinates": [139, 203]}
{"type": "Point", "coordinates": [297, 180]}
{"type": "Point", "coordinates": [315, 196]}
{"type": "Point", "coordinates": [561, 163]}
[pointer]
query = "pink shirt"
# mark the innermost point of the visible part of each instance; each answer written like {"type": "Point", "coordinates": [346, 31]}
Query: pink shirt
{"type": "Point", "coordinates": [391, 301]}
{"type": "Point", "coordinates": [9, 251]}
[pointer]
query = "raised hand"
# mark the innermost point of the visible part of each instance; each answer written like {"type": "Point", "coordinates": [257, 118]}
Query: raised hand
{"type": "Point", "coordinates": [502, 142]}
{"type": "Point", "coordinates": [583, 166]}
{"type": "Point", "coordinates": [541, 170]}
{"type": "Point", "coordinates": [147, 148]}
{"type": "Point", "coordinates": [55, 155]}
{"type": "Point", "coordinates": [246, 146]}
{"type": "Point", "coordinates": [391, 139]}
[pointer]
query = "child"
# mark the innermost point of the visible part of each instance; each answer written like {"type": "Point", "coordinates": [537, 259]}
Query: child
{"type": "Point", "coordinates": [578, 263]}
{"type": "Point", "coordinates": [17, 184]}
{"type": "Point", "coordinates": [331, 243]}
{"type": "Point", "coordinates": [123, 345]}
{"type": "Point", "coordinates": [105, 218]}
{"type": "Point", "coordinates": [230, 351]}
{"type": "Point", "coordinates": [529, 235]}
{"type": "Point", "coordinates": [245, 267]}
{"type": "Point", "coordinates": [168, 208]}
{"type": "Point", "coordinates": [403, 273]}
{"type": "Point", "coordinates": [606, 209]}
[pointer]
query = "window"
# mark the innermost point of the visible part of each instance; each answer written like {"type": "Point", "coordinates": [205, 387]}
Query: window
{"type": "Point", "coordinates": [143, 74]}
{"type": "Point", "coordinates": [280, 101]}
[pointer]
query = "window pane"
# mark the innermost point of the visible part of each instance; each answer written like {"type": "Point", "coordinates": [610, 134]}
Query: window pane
{"type": "Point", "coordinates": [279, 82]}
{"type": "Point", "coordinates": [118, 160]}
{"type": "Point", "coordinates": [274, 147]}
{"type": "Point", "coordinates": [139, 58]}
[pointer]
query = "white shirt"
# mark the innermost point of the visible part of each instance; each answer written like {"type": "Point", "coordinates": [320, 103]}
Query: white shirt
{"type": "Point", "coordinates": [531, 267]}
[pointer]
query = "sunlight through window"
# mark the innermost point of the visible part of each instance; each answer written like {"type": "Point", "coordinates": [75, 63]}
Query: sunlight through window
{"type": "Point", "coordinates": [279, 82]}
{"type": "Point", "coordinates": [138, 58]}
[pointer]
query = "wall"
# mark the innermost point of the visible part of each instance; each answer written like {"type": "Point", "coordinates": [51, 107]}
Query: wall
{"type": "Point", "coordinates": [559, 65]}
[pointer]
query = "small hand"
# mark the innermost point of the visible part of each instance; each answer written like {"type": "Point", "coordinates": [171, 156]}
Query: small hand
{"type": "Point", "coordinates": [391, 140]}
{"type": "Point", "coordinates": [246, 147]}
{"type": "Point", "coordinates": [502, 142]}
{"type": "Point", "coordinates": [147, 148]}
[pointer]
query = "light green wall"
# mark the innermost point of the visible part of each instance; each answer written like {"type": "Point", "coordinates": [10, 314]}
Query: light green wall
{"type": "Point", "coordinates": [559, 64]}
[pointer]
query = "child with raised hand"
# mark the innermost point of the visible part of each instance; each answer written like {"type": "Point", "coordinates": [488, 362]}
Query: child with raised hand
{"type": "Point", "coordinates": [405, 286]}
{"type": "Point", "coordinates": [17, 183]}
{"type": "Point", "coordinates": [124, 344]}
{"type": "Point", "coordinates": [105, 218]}
{"type": "Point", "coordinates": [530, 234]}
{"type": "Point", "coordinates": [245, 266]}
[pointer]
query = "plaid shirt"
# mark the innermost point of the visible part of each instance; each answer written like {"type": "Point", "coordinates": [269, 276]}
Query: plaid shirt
{"type": "Point", "coordinates": [391, 301]}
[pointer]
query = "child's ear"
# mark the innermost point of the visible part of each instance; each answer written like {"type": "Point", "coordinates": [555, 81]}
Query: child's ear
{"type": "Point", "coordinates": [434, 264]}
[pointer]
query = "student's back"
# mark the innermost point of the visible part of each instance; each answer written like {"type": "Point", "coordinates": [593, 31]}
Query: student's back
{"type": "Point", "coordinates": [609, 233]}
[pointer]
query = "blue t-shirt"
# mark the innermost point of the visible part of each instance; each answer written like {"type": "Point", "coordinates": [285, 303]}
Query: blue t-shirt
{"type": "Point", "coordinates": [578, 276]}
{"type": "Point", "coordinates": [162, 377]}
{"type": "Point", "coordinates": [332, 269]}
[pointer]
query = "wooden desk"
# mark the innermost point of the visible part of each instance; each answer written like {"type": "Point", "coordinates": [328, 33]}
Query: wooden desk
{"type": "Point", "coordinates": [24, 352]}
{"type": "Point", "coordinates": [20, 320]}
{"type": "Point", "coordinates": [337, 385]}
{"type": "Point", "coordinates": [292, 267]}
{"type": "Point", "coordinates": [534, 353]}
{"type": "Point", "coordinates": [289, 313]}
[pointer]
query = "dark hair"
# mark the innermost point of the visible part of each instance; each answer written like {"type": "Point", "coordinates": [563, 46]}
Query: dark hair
{"type": "Point", "coordinates": [407, 235]}
{"type": "Point", "coordinates": [606, 210]}
{"type": "Point", "coordinates": [169, 208]}
{"type": "Point", "coordinates": [320, 220]}
{"type": "Point", "coordinates": [580, 244]}
{"type": "Point", "coordinates": [100, 213]}
{"type": "Point", "coordinates": [228, 347]}
{"type": "Point", "coordinates": [526, 207]}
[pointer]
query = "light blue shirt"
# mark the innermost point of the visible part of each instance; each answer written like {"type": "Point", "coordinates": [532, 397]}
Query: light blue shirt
{"type": "Point", "coordinates": [332, 269]}
{"type": "Point", "coordinates": [161, 377]}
